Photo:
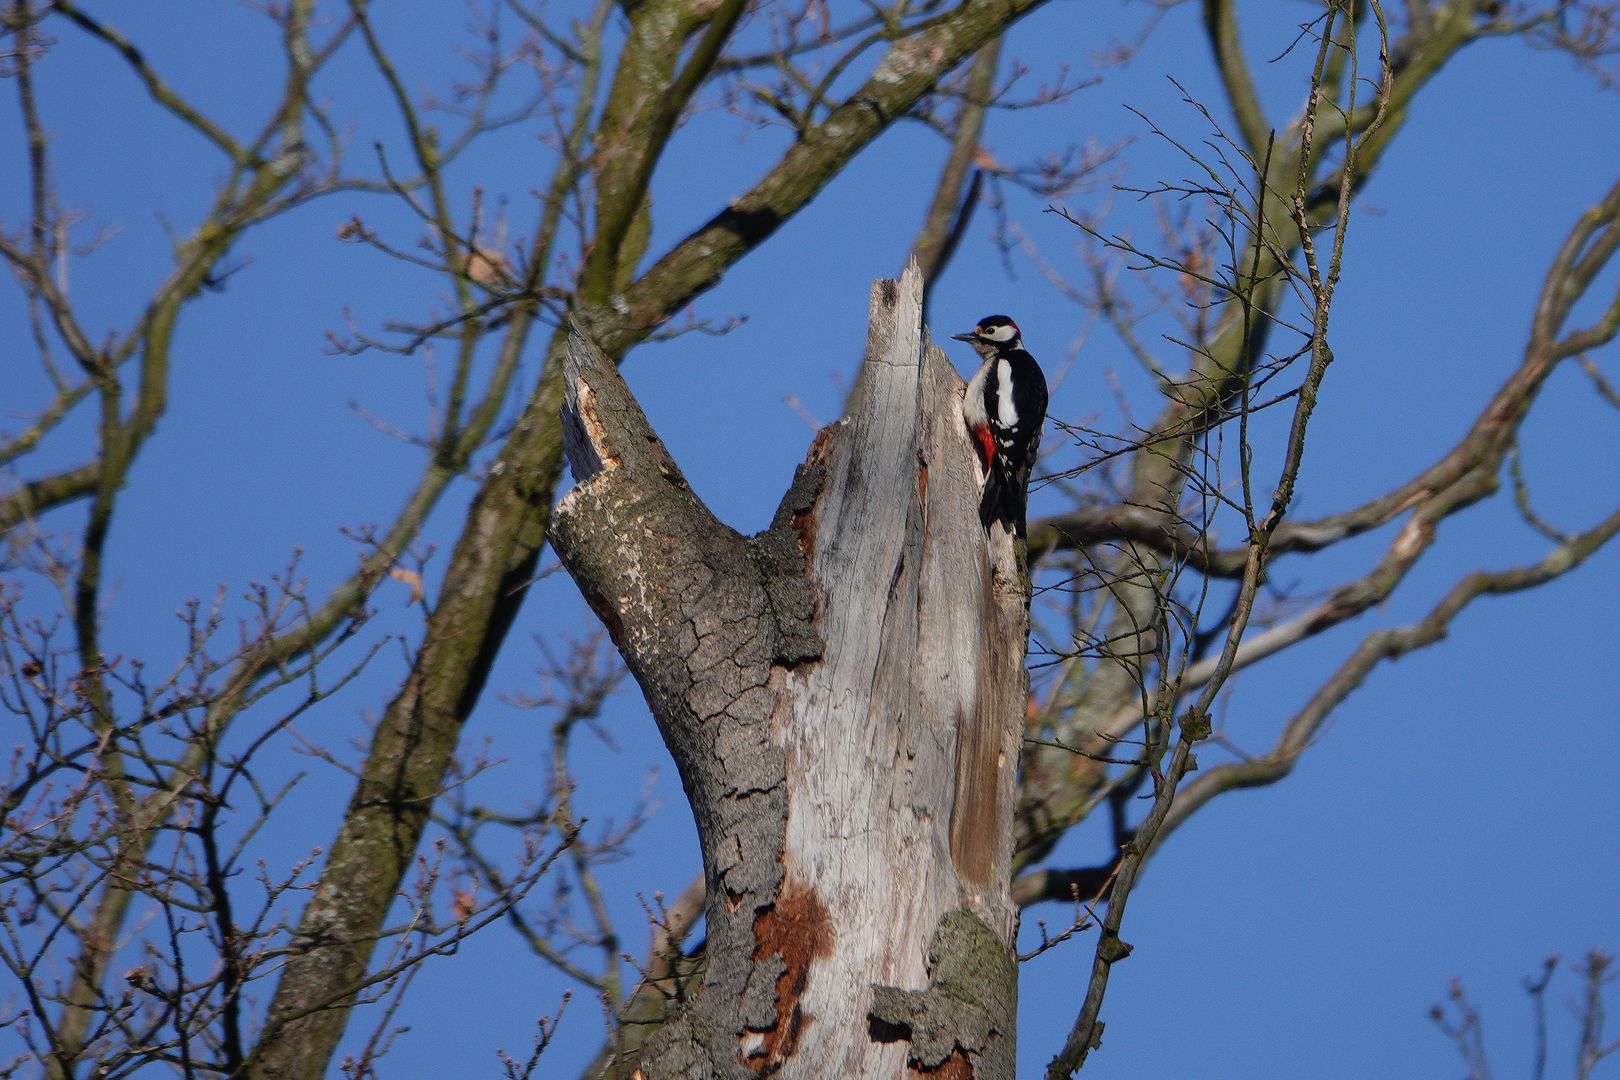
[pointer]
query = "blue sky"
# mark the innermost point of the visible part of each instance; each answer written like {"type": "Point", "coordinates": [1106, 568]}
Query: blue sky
{"type": "Point", "coordinates": [1458, 817]}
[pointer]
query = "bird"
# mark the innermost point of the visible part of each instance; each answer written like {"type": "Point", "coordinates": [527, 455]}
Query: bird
{"type": "Point", "coordinates": [1004, 406]}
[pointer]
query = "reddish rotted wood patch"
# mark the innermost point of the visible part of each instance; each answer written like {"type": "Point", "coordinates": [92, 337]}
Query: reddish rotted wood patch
{"type": "Point", "coordinates": [805, 521]}
{"type": "Point", "coordinates": [955, 1067]}
{"type": "Point", "coordinates": [798, 928]}
{"type": "Point", "coordinates": [804, 527]}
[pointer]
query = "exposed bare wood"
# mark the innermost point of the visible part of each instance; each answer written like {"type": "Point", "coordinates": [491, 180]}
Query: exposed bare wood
{"type": "Point", "coordinates": [873, 623]}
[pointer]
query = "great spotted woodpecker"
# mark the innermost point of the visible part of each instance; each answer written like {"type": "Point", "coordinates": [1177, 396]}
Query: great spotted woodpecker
{"type": "Point", "coordinates": [1004, 407]}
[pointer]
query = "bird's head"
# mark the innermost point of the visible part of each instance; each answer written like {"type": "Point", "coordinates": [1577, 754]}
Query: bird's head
{"type": "Point", "coordinates": [994, 334]}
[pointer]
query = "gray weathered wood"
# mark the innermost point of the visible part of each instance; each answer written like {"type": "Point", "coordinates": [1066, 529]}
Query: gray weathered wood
{"type": "Point", "coordinates": [843, 695]}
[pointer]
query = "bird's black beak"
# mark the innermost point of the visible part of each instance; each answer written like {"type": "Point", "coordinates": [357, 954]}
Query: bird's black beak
{"type": "Point", "coordinates": [969, 336]}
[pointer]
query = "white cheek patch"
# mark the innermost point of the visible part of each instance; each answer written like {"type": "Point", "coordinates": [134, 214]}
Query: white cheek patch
{"type": "Point", "coordinates": [1000, 333]}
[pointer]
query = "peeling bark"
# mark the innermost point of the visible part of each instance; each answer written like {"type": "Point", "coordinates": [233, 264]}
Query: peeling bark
{"type": "Point", "coordinates": [843, 696]}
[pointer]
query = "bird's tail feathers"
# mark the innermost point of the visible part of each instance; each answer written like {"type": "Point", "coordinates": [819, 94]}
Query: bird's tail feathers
{"type": "Point", "coordinates": [1003, 500]}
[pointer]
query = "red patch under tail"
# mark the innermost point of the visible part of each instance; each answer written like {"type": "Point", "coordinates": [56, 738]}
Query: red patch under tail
{"type": "Point", "coordinates": [986, 443]}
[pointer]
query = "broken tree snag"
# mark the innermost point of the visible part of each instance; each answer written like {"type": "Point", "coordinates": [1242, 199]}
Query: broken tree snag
{"type": "Point", "coordinates": [900, 778]}
{"type": "Point", "coordinates": [843, 695]}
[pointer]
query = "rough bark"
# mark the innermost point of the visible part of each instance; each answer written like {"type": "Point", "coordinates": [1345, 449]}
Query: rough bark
{"type": "Point", "coordinates": [843, 696]}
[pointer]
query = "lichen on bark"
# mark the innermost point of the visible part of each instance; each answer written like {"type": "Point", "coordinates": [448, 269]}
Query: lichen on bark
{"type": "Point", "coordinates": [969, 1007]}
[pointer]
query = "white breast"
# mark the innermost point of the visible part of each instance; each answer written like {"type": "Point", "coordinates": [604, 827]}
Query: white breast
{"type": "Point", "coordinates": [973, 410]}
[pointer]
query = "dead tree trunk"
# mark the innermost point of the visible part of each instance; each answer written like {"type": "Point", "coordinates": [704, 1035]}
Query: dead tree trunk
{"type": "Point", "coordinates": [843, 695]}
